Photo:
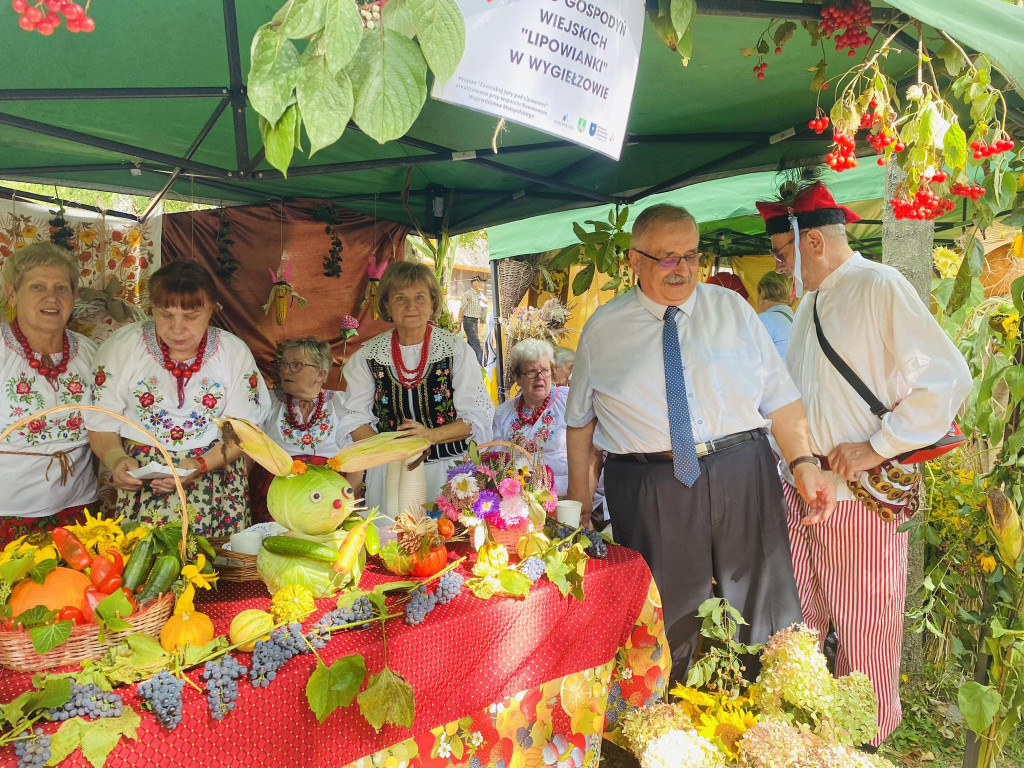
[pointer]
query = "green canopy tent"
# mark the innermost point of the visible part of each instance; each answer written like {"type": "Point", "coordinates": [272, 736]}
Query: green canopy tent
{"type": "Point", "coordinates": [154, 100]}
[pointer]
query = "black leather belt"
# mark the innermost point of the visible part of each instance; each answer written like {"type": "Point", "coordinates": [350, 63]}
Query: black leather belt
{"type": "Point", "coordinates": [703, 449]}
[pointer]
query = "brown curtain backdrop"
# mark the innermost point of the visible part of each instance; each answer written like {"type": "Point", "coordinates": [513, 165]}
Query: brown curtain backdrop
{"type": "Point", "coordinates": [261, 233]}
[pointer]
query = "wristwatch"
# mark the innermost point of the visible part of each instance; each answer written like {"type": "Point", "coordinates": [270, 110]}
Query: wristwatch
{"type": "Point", "coordinates": [804, 460]}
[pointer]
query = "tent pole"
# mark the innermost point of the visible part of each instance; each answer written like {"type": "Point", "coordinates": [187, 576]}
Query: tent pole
{"type": "Point", "coordinates": [13, 193]}
{"type": "Point", "coordinates": [36, 170]}
{"type": "Point", "coordinates": [203, 133]}
{"type": "Point", "coordinates": [88, 94]}
{"type": "Point", "coordinates": [237, 88]}
{"type": "Point", "coordinates": [496, 313]}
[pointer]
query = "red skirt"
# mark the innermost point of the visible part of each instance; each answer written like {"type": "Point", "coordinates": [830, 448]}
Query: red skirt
{"type": "Point", "coordinates": [259, 485]}
{"type": "Point", "coordinates": [12, 528]}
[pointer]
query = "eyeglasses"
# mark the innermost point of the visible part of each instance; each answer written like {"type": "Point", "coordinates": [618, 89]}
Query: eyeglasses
{"type": "Point", "coordinates": [672, 263]}
{"type": "Point", "coordinates": [294, 366]}
{"type": "Point", "coordinates": [531, 375]}
{"type": "Point", "coordinates": [778, 254]}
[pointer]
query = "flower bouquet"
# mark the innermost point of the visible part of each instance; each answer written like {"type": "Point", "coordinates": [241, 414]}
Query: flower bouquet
{"type": "Point", "coordinates": [498, 495]}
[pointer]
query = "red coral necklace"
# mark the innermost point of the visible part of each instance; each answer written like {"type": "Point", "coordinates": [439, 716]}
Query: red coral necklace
{"type": "Point", "coordinates": [292, 413]}
{"type": "Point", "coordinates": [529, 421]}
{"type": "Point", "coordinates": [50, 372]}
{"type": "Point", "coordinates": [410, 377]}
{"type": "Point", "coordinates": [182, 372]}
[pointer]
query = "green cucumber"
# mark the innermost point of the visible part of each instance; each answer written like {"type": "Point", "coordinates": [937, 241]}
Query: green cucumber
{"type": "Point", "coordinates": [165, 571]}
{"type": "Point", "coordinates": [139, 563]}
{"type": "Point", "coordinates": [291, 546]}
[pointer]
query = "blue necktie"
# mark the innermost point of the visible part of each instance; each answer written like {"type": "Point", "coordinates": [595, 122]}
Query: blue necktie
{"type": "Point", "coordinates": [684, 454]}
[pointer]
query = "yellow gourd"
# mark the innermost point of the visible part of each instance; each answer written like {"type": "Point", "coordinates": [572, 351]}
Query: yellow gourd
{"type": "Point", "coordinates": [532, 544]}
{"type": "Point", "coordinates": [186, 628]}
{"type": "Point", "coordinates": [248, 627]}
{"type": "Point", "coordinates": [491, 558]}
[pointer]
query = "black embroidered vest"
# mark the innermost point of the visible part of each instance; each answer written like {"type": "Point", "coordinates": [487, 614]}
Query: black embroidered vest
{"type": "Point", "coordinates": [431, 403]}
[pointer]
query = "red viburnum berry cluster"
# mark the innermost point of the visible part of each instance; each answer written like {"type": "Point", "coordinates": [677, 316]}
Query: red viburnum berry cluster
{"type": "Point", "coordinates": [843, 154]}
{"type": "Point", "coordinates": [855, 18]}
{"type": "Point", "coordinates": [45, 17]}
{"type": "Point", "coordinates": [818, 124]}
{"type": "Point", "coordinates": [925, 205]}
{"type": "Point", "coordinates": [983, 150]}
{"type": "Point", "coordinates": [759, 69]}
{"type": "Point", "coordinates": [972, 191]}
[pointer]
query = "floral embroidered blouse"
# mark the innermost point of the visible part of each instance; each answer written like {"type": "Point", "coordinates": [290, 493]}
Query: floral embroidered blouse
{"type": "Point", "coordinates": [323, 438]}
{"type": "Point", "coordinates": [547, 435]}
{"type": "Point", "coordinates": [32, 484]}
{"type": "Point", "coordinates": [129, 378]}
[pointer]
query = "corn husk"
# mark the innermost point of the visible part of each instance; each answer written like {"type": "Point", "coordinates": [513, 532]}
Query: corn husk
{"type": "Point", "coordinates": [379, 449]}
{"type": "Point", "coordinates": [1004, 521]}
{"type": "Point", "coordinates": [256, 445]}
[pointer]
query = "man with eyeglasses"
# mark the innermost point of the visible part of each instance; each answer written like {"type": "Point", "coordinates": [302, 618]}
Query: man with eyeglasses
{"type": "Point", "coordinates": [678, 382]}
{"type": "Point", "coordinates": [851, 570]}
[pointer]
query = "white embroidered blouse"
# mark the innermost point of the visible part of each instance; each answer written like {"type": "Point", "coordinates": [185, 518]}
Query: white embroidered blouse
{"type": "Point", "coordinates": [130, 379]}
{"type": "Point", "coordinates": [32, 484]}
{"type": "Point", "coordinates": [322, 438]}
{"type": "Point", "coordinates": [546, 435]}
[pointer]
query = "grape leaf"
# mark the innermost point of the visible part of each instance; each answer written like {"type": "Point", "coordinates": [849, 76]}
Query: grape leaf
{"type": "Point", "coordinates": [557, 572]}
{"type": "Point", "coordinates": [97, 738]}
{"type": "Point", "coordinates": [66, 740]}
{"type": "Point", "coordinates": [40, 570]}
{"type": "Point", "coordinates": [48, 637]}
{"type": "Point", "coordinates": [329, 688]}
{"type": "Point", "coordinates": [279, 139]}
{"type": "Point", "coordinates": [387, 699]}
{"type": "Point", "coordinates": [275, 63]}
{"type": "Point", "coordinates": [54, 693]}
{"type": "Point", "coordinates": [389, 76]}
{"type": "Point", "coordinates": [954, 145]}
{"type": "Point", "coordinates": [441, 31]}
{"type": "Point", "coordinates": [682, 12]}
{"type": "Point", "coordinates": [190, 655]}
{"type": "Point", "coordinates": [301, 18]}
{"type": "Point", "coordinates": [342, 31]}
{"type": "Point", "coordinates": [514, 583]}
{"type": "Point", "coordinates": [325, 101]}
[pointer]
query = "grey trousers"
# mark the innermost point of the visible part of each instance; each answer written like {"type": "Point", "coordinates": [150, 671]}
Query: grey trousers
{"type": "Point", "coordinates": [470, 326]}
{"type": "Point", "coordinates": [730, 527]}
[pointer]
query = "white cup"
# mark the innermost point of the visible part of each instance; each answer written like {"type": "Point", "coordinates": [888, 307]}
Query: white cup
{"type": "Point", "coordinates": [568, 512]}
{"type": "Point", "coordinates": [246, 542]}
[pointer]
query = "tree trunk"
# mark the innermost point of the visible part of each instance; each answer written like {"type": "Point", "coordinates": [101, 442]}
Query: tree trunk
{"type": "Point", "coordinates": [907, 246]}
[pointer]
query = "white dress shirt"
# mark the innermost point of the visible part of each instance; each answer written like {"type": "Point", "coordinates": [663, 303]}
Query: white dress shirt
{"type": "Point", "coordinates": [734, 377]}
{"type": "Point", "coordinates": [548, 438]}
{"type": "Point", "coordinates": [876, 322]}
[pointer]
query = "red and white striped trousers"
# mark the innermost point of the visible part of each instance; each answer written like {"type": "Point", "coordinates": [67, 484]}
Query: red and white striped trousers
{"type": "Point", "coordinates": [852, 571]}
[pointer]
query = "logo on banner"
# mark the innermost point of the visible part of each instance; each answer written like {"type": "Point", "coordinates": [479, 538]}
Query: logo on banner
{"type": "Point", "coordinates": [581, 124]}
{"type": "Point", "coordinates": [593, 128]}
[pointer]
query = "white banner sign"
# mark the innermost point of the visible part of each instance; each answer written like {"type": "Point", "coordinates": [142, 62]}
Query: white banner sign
{"type": "Point", "coordinates": [565, 67]}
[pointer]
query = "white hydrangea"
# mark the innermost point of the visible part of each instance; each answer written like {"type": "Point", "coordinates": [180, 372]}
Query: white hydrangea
{"type": "Point", "coordinates": [681, 749]}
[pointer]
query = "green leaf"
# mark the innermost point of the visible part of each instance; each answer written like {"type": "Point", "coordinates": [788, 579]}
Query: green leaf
{"type": "Point", "coordinates": [952, 59]}
{"type": "Point", "coordinates": [36, 616]}
{"type": "Point", "coordinates": [1017, 294]}
{"type": "Point", "coordinates": [926, 130]}
{"type": "Point", "coordinates": [1015, 381]}
{"type": "Point", "coordinates": [682, 13]}
{"type": "Point", "coordinates": [275, 63]}
{"type": "Point", "coordinates": [396, 16]}
{"type": "Point", "coordinates": [954, 145]}
{"type": "Point", "coordinates": [762, 47]}
{"type": "Point", "coordinates": [568, 255]}
{"type": "Point", "coordinates": [325, 102]}
{"type": "Point", "coordinates": [611, 285]}
{"type": "Point", "coordinates": [114, 606]}
{"type": "Point", "coordinates": [389, 75]}
{"type": "Point", "coordinates": [457, 748]}
{"type": "Point", "coordinates": [1007, 189]}
{"type": "Point", "coordinates": [441, 31]}
{"type": "Point", "coordinates": [66, 740]}
{"type": "Point", "coordinates": [15, 569]}
{"type": "Point", "coordinates": [97, 738]}
{"type": "Point", "coordinates": [581, 283]}
{"type": "Point", "coordinates": [961, 287]}
{"type": "Point", "coordinates": [55, 693]}
{"type": "Point", "coordinates": [979, 705]}
{"type": "Point", "coordinates": [784, 33]}
{"type": "Point", "coordinates": [557, 572]}
{"type": "Point", "coordinates": [301, 18]}
{"type": "Point", "coordinates": [41, 569]}
{"type": "Point", "coordinates": [343, 29]}
{"type": "Point", "coordinates": [622, 218]}
{"type": "Point", "coordinates": [335, 686]}
{"type": "Point", "coordinates": [684, 46]}
{"type": "Point", "coordinates": [515, 583]}
{"type": "Point", "coordinates": [48, 637]}
{"type": "Point", "coordinates": [395, 560]}
{"type": "Point", "coordinates": [387, 699]}
{"type": "Point", "coordinates": [983, 108]}
{"type": "Point", "coordinates": [279, 139]}
{"type": "Point", "coordinates": [190, 655]}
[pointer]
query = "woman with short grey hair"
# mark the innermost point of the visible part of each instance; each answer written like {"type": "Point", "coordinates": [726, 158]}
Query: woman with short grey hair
{"type": "Point", "coordinates": [535, 419]}
{"type": "Point", "coordinates": [564, 359]}
{"type": "Point", "coordinates": [304, 414]}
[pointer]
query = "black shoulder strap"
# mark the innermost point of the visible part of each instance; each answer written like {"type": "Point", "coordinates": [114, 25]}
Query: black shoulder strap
{"type": "Point", "coordinates": [845, 370]}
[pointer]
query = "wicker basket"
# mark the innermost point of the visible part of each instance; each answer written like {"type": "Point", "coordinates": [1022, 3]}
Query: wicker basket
{"type": "Point", "coordinates": [18, 653]}
{"type": "Point", "coordinates": [236, 566]}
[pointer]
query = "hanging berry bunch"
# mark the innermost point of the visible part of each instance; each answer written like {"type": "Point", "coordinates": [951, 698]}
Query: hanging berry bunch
{"type": "Point", "coordinates": [226, 261]}
{"type": "Point", "coordinates": [778, 35]}
{"type": "Point", "coordinates": [60, 233]}
{"type": "Point", "coordinates": [45, 17]}
{"type": "Point", "coordinates": [326, 214]}
{"type": "Point", "coordinates": [855, 17]}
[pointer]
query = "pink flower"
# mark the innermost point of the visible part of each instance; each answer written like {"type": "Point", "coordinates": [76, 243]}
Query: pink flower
{"type": "Point", "coordinates": [509, 487]}
{"type": "Point", "coordinates": [177, 434]}
{"type": "Point", "coordinates": [75, 387]}
{"type": "Point", "coordinates": [512, 511]}
{"type": "Point", "coordinates": [447, 509]}
{"type": "Point", "coordinates": [348, 323]}
{"type": "Point", "coordinates": [146, 399]}
{"type": "Point", "coordinates": [550, 505]}
{"type": "Point", "coordinates": [209, 401]}
{"type": "Point", "coordinates": [485, 471]}
{"type": "Point", "coordinates": [23, 388]}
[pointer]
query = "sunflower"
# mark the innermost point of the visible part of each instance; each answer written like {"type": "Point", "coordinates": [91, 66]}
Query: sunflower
{"type": "Point", "coordinates": [99, 534]}
{"type": "Point", "coordinates": [37, 545]}
{"type": "Point", "coordinates": [726, 727]}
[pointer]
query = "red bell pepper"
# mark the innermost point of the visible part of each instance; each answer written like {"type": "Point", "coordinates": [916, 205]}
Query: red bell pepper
{"type": "Point", "coordinates": [71, 549]}
{"type": "Point", "coordinates": [70, 613]}
{"type": "Point", "coordinates": [92, 598]}
{"type": "Point", "coordinates": [115, 556]}
{"type": "Point", "coordinates": [110, 585]}
{"type": "Point", "coordinates": [102, 569]}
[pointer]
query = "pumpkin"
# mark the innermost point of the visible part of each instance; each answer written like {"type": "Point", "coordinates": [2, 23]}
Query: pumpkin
{"type": "Point", "coordinates": [427, 565]}
{"type": "Point", "coordinates": [186, 628]}
{"type": "Point", "coordinates": [248, 627]}
{"type": "Point", "coordinates": [62, 587]}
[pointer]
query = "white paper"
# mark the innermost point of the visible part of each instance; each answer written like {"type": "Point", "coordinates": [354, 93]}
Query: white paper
{"type": "Point", "coordinates": [155, 471]}
{"type": "Point", "coordinates": [565, 67]}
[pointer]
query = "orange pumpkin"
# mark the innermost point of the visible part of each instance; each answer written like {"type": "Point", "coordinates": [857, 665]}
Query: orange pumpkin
{"type": "Point", "coordinates": [186, 628]}
{"type": "Point", "coordinates": [61, 588]}
{"type": "Point", "coordinates": [434, 561]}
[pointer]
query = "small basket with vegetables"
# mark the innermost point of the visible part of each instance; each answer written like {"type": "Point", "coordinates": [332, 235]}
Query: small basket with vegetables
{"type": "Point", "coordinates": [69, 593]}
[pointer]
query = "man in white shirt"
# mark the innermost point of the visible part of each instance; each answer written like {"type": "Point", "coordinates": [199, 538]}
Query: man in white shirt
{"type": "Point", "coordinates": [470, 311]}
{"type": "Point", "coordinates": [851, 570]}
{"type": "Point", "coordinates": [677, 382]}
